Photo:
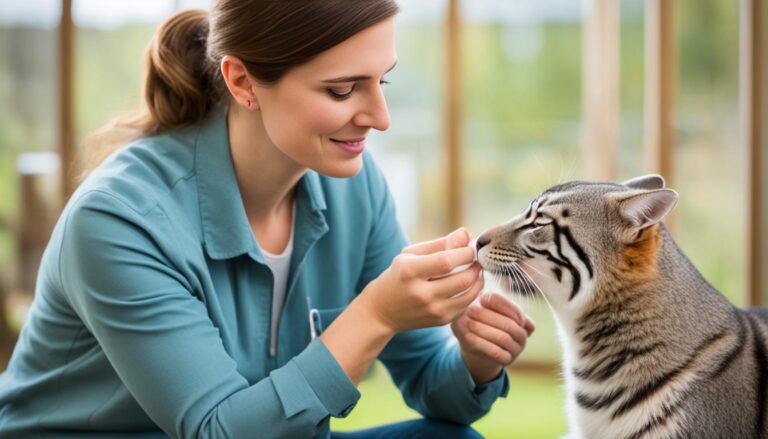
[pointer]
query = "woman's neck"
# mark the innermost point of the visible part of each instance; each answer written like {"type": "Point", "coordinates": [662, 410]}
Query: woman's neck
{"type": "Point", "coordinates": [266, 177]}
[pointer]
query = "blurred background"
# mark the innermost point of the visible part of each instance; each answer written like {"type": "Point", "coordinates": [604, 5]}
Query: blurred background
{"type": "Point", "coordinates": [492, 101]}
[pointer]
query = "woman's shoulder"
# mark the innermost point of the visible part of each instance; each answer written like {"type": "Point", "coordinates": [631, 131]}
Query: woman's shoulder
{"type": "Point", "coordinates": [144, 172]}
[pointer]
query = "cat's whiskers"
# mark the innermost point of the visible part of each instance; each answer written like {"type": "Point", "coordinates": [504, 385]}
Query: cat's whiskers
{"type": "Point", "coordinates": [538, 287]}
{"type": "Point", "coordinates": [534, 269]}
{"type": "Point", "coordinates": [530, 292]}
{"type": "Point", "coordinates": [525, 289]}
{"type": "Point", "coordinates": [516, 281]}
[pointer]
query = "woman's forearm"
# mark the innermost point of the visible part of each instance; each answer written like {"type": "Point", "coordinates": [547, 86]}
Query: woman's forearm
{"type": "Point", "coordinates": [356, 338]}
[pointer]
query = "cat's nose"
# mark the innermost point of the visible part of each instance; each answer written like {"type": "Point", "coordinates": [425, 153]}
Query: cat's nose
{"type": "Point", "coordinates": [482, 241]}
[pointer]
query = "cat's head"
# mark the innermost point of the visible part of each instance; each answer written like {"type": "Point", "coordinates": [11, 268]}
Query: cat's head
{"type": "Point", "coordinates": [579, 238]}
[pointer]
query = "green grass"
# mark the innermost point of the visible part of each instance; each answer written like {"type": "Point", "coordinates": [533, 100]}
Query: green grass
{"type": "Point", "coordinates": [532, 410]}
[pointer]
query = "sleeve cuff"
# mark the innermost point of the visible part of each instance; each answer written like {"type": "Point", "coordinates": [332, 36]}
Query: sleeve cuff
{"type": "Point", "coordinates": [315, 372]}
{"type": "Point", "coordinates": [487, 393]}
{"type": "Point", "coordinates": [498, 387]}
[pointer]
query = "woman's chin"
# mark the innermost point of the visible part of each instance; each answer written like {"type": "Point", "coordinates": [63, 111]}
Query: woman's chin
{"type": "Point", "coordinates": [342, 169]}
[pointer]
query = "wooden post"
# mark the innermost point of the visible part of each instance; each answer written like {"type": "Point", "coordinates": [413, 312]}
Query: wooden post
{"type": "Point", "coordinates": [66, 108]}
{"type": "Point", "coordinates": [7, 336]}
{"type": "Point", "coordinates": [453, 121]}
{"type": "Point", "coordinates": [601, 89]}
{"type": "Point", "coordinates": [38, 174]}
{"type": "Point", "coordinates": [753, 102]}
{"type": "Point", "coordinates": [659, 86]}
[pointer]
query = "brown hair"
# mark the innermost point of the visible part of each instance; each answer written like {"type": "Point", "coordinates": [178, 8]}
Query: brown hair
{"type": "Point", "coordinates": [182, 80]}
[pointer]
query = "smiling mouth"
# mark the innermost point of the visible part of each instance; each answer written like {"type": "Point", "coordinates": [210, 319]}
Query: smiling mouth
{"type": "Point", "coordinates": [353, 146]}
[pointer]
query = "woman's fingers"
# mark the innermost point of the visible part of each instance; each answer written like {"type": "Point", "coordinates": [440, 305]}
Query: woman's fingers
{"type": "Point", "coordinates": [486, 322]}
{"type": "Point", "coordinates": [451, 285]}
{"type": "Point", "coordinates": [457, 238]}
{"type": "Point", "coordinates": [503, 306]}
{"type": "Point", "coordinates": [479, 345]}
{"type": "Point", "coordinates": [498, 321]}
{"type": "Point", "coordinates": [513, 342]}
{"type": "Point", "coordinates": [435, 264]}
{"type": "Point", "coordinates": [459, 302]}
{"type": "Point", "coordinates": [529, 326]}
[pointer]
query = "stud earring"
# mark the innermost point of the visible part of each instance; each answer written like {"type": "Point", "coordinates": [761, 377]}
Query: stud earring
{"type": "Point", "coordinates": [248, 104]}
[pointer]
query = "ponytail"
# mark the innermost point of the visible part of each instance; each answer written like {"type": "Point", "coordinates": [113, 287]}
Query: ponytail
{"type": "Point", "coordinates": [176, 83]}
{"type": "Point", "coordinates": [178, 86]}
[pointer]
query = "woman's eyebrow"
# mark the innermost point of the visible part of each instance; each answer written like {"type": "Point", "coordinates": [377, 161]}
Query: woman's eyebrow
{"type": "Point", "coordinates": [354, 78]}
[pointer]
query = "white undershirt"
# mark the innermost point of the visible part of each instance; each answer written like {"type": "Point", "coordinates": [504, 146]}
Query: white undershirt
{"type": "Point", "coordinates": [280, 265]}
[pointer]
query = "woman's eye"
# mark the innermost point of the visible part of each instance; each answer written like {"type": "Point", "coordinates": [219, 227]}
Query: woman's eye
{"type": "Point", "coordinates": [341, 94]}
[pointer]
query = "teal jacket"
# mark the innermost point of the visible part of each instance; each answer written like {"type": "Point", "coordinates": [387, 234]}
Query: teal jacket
{"type": "Point", "coordinates": [152, 310]}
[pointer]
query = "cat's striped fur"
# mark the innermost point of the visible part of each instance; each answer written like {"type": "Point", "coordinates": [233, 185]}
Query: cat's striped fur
{"type": "Point", "coordinates": [651, 350]}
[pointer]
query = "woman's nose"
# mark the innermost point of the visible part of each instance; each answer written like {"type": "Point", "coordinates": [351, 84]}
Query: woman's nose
{"type": "Point", "coordinates": [376, 114]}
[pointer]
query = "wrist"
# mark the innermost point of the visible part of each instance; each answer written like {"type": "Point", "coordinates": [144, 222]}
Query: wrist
{"type": "Point", "coordinates": [371, 314]}
{"type": "Point", "coordinates": [355, 340]}
{"type": "Point", "coordinates": [481, 369]}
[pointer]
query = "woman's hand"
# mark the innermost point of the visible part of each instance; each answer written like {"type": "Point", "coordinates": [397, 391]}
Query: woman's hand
{"type": "Point", "coordinates": [492, 332]}
{"type": "Point", "coordinates": [414, 292]}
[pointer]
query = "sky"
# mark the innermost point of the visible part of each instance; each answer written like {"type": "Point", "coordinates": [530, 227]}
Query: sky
{"type": "Point", "coordinates": [115, 13]}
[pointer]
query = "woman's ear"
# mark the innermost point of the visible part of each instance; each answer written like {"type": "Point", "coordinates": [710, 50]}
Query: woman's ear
{"type": "Point", "coordinates": [239, 83]}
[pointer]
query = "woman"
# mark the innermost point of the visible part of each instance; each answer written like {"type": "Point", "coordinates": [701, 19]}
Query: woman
{"type": "Point", "coordinates": [235, 270]}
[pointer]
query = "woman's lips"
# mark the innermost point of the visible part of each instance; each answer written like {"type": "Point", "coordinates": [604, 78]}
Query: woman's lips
{"type": "Point", "coordinates": [352, 146]}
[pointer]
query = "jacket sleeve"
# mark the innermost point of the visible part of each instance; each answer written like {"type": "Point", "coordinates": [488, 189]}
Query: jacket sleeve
{"type": "Point", "coordinates": [425, 364]}
{"type": "Point", "coordinates": [160, 341]}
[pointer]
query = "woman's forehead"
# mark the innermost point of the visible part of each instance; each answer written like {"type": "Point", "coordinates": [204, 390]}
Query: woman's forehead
{"type": "Point", "coordinates": [370, 52]}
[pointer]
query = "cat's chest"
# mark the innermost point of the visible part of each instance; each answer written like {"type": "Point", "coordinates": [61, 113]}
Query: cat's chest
{"type": "Point", "coordinates": [613, 408]}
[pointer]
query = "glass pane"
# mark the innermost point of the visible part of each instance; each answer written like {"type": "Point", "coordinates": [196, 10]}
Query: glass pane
{"type": "Point", "coordinates": [109, 48]}
{"type": "Point", "coordinates": [631, 88]}
{"type": "Point", "coordinates": [709, 160]}
{"type": "Point", "coordinates": [410, 152]}
{"type": "Point", "coordinates": [522, 110]}
{"type": "Point", "coordinates": [28, 97]}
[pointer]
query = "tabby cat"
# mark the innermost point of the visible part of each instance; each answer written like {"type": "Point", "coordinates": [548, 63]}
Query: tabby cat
{"type": "Point", "coordinates": [651, 350]}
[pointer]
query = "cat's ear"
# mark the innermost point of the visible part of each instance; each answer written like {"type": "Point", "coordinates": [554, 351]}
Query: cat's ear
{"type": "Point", "coordinates": [648, 182]}
{"type": "Point", "coordinates": [643, 209]}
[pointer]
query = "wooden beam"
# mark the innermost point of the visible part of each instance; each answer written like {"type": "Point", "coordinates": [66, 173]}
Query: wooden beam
{"type": "Point", "coordinates": [453, 120]}
{"type": "Point", "coordinates": [66, 147]}
{"type": "Point", "coordinates": [753, 100]}
{"type": "Point", "coordinates": [601, 89]}
{"type": "Point", "coordinates": [659, 86]}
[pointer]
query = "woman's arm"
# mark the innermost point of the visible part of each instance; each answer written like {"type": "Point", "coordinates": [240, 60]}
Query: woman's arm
{"type": "Point", "coordinates": [426, 364]}
{"type": "Point", "coordinates": [404, 297]}
{"type": "Point", "coordinates": [162, 344]}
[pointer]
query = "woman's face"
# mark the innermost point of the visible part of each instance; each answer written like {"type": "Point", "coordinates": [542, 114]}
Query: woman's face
{"type": "Point", "coordinates": [319, 113]}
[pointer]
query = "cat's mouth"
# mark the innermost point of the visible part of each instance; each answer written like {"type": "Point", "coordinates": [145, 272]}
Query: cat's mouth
{"type": "Point", "coordinates": [512, 277]}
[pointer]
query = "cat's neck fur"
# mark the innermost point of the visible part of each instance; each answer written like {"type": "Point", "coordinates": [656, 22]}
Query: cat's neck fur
{"type": "Point", "coordinates": [654, 323]}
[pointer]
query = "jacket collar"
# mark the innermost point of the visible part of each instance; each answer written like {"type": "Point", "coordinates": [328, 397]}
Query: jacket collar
{"type": "Point", "coordinates": [226, 231]}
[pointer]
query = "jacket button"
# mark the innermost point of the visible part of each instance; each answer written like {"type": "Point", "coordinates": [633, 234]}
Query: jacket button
{"type": "Point", "coordinates": [347, 411]}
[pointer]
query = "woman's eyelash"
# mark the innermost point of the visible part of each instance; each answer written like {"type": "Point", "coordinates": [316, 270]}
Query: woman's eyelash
{"type": "Point", "coordinates": [340, 96]}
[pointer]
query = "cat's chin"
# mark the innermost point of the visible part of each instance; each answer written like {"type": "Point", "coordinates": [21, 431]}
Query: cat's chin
{"type": "Point", "coordinates": [514, 287]}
